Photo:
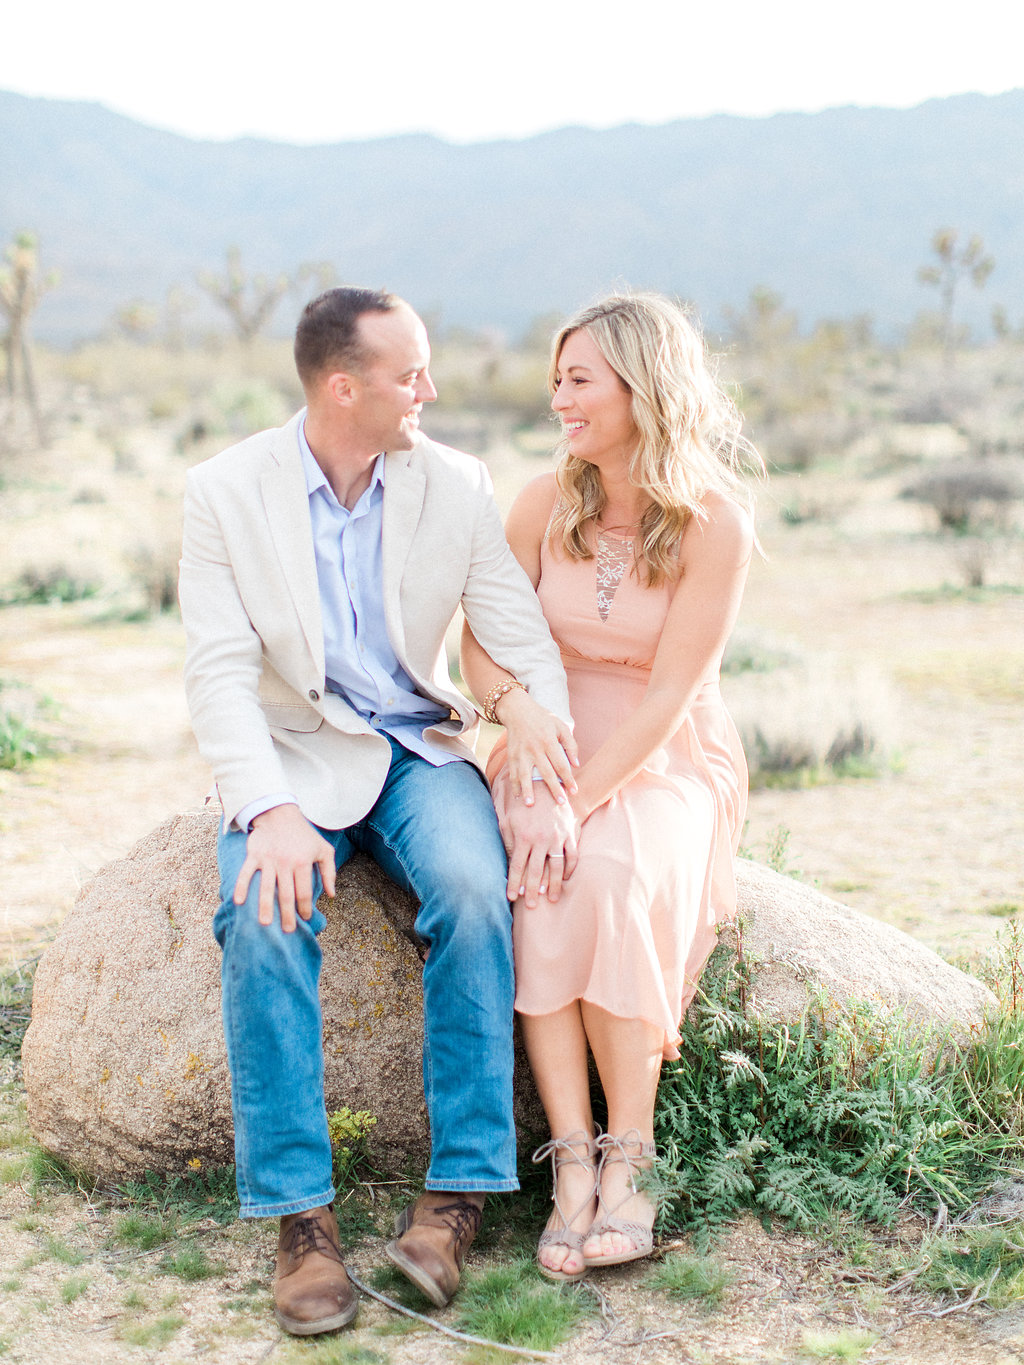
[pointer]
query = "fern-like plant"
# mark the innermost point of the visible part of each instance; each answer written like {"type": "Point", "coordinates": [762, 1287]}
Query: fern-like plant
{"type": "Point", "coordinates": [850, 1110]}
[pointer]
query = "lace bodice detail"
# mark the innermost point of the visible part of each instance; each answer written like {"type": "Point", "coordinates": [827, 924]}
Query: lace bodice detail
{"type": "Point", "coordinates": [614, 559]}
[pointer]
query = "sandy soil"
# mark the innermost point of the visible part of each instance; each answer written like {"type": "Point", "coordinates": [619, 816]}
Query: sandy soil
{"type": "Point", "coordinates": [128, 760]}
{"type": "Point", "coordinates": [936, 847]}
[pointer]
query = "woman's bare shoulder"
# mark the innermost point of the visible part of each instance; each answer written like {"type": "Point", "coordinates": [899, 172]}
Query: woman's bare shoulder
{"type": "Point", "coordinates": [727, 527]}
{"type": "Point", "coordinates": [531, 510]}
{"type": "Point", "coordinates": [729, 514]}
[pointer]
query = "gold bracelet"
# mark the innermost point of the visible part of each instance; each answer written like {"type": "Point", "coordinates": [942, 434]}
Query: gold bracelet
{"type": "Point", "coordinates": [495, 695]}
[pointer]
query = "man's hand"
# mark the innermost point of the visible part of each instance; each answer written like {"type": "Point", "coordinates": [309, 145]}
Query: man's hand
{"type": "Point", "coordinates": [541, 841]}
{"type": "Point", "coordinates": [283, 848]}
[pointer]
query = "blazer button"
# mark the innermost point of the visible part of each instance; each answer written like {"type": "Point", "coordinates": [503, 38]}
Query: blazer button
{"type": "Point", "coordinates": [314, 695]}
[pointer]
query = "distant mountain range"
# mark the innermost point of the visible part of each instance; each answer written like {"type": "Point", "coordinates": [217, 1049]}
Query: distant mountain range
{"type": "Point", "coordinates": [835, 211]}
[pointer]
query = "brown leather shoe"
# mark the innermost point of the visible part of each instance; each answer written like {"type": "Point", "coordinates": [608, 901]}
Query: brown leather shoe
{"type": "Point", "coordinates": [312, 1292]}
{"type": "Point", "coordinates": [432, 1237]}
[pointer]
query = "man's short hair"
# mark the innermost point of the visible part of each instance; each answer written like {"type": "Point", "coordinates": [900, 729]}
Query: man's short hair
{"type": "Point", "coordinates": [328, 332]}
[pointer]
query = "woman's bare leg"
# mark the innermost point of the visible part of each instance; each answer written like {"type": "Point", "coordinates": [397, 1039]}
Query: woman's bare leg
{"type": "Point", "coordinates": [628, 1053]}
{"type": "Point", "coordinates": [556, 1045]}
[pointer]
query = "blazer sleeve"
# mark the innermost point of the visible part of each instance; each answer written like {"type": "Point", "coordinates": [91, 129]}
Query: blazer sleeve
{"type": "Point", "coordinates": [223, 663]}
{"type": "Point", "coordinates": [504, 614]}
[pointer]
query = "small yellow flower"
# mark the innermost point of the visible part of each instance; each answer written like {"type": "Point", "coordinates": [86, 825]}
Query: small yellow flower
{"type": "Point", "coordinates": [195, 1164]}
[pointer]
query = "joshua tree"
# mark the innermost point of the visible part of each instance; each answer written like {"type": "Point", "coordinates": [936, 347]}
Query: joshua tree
{"type": "Point", "coordinates": [1003, 327]}
{"type": "Point", "coordinates": [765, 324]}
{"type": "Point", "coordinates": [136, 320]}
{"type": "Point", "coordinates": [20, 290]}
{"type": "Point", "coordinates": [177, 306]}
{"type": "Point", "coordinates": [250, 300]}
{"type": "Point", "coordinates": [954, 265]}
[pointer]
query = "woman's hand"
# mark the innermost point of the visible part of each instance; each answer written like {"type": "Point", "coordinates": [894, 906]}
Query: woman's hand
{"type": "Point", "coordinates": [541, 841]}
{"type": "Point", "coordinates": [538, 742]}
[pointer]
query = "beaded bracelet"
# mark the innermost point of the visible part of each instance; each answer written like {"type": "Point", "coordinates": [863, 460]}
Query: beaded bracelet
{"type": "Point", "coordinates": [495, 695]}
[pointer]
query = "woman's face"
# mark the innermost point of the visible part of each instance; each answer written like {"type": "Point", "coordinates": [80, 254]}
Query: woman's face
{"type": "Point", "coordinates": [595, 406]}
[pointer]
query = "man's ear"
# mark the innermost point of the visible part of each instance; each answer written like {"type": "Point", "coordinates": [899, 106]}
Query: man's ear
{"type": "Point", "coordinates": [342, 387]}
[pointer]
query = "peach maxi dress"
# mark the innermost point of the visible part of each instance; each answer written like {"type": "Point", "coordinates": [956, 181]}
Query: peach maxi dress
{"type": "Point", "coordinates": [637, 920]}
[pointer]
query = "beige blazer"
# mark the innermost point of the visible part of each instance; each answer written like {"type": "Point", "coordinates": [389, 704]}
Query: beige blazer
{"type": "Point", "coordinates": [254, 672]}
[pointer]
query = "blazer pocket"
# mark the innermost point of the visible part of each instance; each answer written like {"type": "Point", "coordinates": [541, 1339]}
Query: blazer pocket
{"type": "Point", "coordinates": [287, 716]}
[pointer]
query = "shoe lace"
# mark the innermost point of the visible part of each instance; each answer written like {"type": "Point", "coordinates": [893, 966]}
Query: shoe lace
{"type": "Point", "coordinates": [309, 1234]}
{"type": "Point", "coordinates": [462, 1218]}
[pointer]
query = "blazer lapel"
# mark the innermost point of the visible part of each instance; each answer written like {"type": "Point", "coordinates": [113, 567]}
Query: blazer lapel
{"type": "Point", "coordinates": [404, 487]}
{"type": "Point", "coordinates": [286, 502]}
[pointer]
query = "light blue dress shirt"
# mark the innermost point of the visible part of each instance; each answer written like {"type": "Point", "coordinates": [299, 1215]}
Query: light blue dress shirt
{"type": "Point", "coordinates": [360, 663]}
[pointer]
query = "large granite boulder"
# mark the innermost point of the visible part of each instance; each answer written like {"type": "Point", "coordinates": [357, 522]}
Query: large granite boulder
{"type": "Point", "coordinates": [124, 1059]}
{"type": "Point", "coordinates": [799, 941]}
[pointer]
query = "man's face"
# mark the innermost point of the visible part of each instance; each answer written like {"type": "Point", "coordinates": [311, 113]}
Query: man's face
{"type": "Point", "coordinates": [395, 383]}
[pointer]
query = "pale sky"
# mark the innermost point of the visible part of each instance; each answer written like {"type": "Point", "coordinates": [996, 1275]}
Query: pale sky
{"type": "Point", "coordinates": [470, 70]}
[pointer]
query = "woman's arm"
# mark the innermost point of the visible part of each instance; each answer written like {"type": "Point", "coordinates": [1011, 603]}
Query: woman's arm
{"type": "Point", "coordinates": [715, 558]}
{"type": "Point", "coordinates": [536, 738]}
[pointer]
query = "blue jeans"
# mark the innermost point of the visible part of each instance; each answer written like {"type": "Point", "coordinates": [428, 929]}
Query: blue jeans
{"type": "Point", "coordinates": [434, 832]}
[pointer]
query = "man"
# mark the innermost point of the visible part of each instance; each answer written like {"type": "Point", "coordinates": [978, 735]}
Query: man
{"type": "Point", "coordinates": [322, 564]}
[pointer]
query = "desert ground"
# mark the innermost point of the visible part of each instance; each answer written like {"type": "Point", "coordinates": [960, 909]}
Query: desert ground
{"type": "Point", "coordinates": [861, 589]}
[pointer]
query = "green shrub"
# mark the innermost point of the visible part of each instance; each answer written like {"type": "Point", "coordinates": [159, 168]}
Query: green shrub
{"type": "Point", "coordinates": [348, 1132]}
{"type": "Point", "coordinates": [73, 1288]}
{"type": "Point", "coordinates": [984, 1262]}
{"type": "Point", "coordinates": [49, 585]}
{"type": "Point", "coordinates": [846, 1110]}
{"type": "Point", "coordinates": [145, 1230]}
{"type": "Point", "coordinates": [200, 1193]}
{"type": "Point", "coordinates": [154, 569]}
{"type": "Point", "coordinates": [970, 495]}
{"type": "Point", "coordinates": [20, 745]}
{"type": "Point", "coordinates": [236, 408]}
{"type": "Point", "coordinates": [151, 1335]}
{"type": "Point", "coordinates": [804, 719]}
{"type": "Point", "coordinates": [846, 1344]}
{"type": "Point", "coordinates": [749, 652]}
{"type": "Point", "coordinates": [15, 1005]}
{"type": "Point", "coordinates": [23, 718]}
{"type": "Point", "coordinates": [48, 1170]}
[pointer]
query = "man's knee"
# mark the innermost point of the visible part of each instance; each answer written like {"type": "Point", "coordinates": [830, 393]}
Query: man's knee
{"type": "Point", "coordinates": [237, 928]}
{"type": "Point", "coordinates": [469, 912]}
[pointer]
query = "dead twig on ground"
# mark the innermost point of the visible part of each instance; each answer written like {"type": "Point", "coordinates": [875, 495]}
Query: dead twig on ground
{"type": "Point", "coordinates": [447, 1331]}
{"type": "Point", "coordinates": [907, 1279]}
{"type": "Point", "coordinates": [979, 1291]}
{"type": "Point", "coordinates": [613, 1323]}
{"type": "Point", "coordinates": [609, 1316]}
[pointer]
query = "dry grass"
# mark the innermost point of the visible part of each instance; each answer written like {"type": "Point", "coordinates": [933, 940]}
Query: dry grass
{"type": "Point", "coordinates": [812, 717]}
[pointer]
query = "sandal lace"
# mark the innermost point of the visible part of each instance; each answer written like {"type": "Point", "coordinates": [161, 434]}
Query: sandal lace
{"type": "Point", "coordinates": [613, 1149]}
{"type": "Point", "coordinates": [562, 1152]}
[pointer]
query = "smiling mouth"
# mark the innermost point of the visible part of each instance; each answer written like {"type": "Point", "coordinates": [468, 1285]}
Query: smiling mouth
{"type": "Point", "coordinates": [571, 428]}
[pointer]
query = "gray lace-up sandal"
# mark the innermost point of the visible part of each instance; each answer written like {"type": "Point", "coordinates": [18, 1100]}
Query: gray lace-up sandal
{"type": "Point", "coordinates": [613, 1149]}
{"type": "Point", "coordinates": [563, 1151]}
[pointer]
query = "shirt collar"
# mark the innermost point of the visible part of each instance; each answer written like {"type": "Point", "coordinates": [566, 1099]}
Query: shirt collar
{"type": "Point", "coordinates": [317, 479]}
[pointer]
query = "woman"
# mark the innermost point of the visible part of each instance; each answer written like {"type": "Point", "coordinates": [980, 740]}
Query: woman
{"type": "Point", "coordinates": [638, 547]}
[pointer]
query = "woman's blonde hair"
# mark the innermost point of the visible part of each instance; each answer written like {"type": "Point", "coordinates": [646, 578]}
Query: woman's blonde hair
{"type": "Point", "coordinates": [688, 430]}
